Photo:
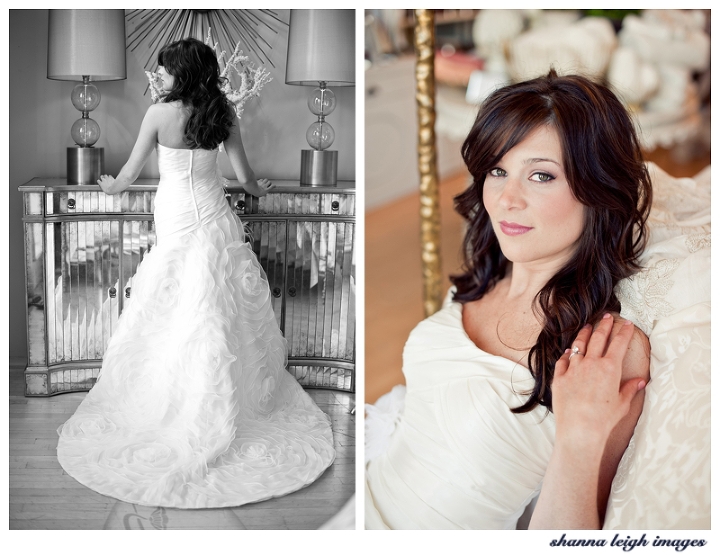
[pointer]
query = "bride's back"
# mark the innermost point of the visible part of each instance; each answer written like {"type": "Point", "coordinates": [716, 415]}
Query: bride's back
{"type": "Point", "coordinates": [171, 129]}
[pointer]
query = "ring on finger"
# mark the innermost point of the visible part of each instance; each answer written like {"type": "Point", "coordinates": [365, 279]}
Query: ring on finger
{"type": "Point", "coordinates": [575, 351]}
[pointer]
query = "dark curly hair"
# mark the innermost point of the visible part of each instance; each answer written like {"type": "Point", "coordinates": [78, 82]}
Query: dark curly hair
{"type": "Point", "coordinates": [605, 170]}
{"type": "Point", "coordinates": [195, 68]}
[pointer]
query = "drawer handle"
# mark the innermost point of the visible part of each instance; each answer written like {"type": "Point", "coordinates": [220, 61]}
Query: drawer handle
{"type": "Point", "coordinates": [292, 291]}
{"type": "Point", "coordinates": [127, 292]}
{"type": "Point", "coordinates": [335, 205]}
{"type": "Point", "coordinates": [276, 292]}
{"type": "Point", "coordinates": [71, 203]}
{"type": "Point", "coordinates": [112, 292]}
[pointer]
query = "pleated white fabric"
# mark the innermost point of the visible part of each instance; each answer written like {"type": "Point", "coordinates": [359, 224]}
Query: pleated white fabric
{"type": "Point", "coordinates": [193, 407]}
{"type": "Point", "coordinates": [458, 458]}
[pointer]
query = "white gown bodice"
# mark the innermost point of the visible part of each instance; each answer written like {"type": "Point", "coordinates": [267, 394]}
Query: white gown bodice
{"type": "Point", "coordinates": [189, 194]}
{"type": "Point", "coordinates": [459, 459]}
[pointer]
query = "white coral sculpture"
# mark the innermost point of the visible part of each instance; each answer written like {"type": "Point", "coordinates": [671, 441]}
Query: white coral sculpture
{"type": "Point", "coordinates": [252, 79]}
{"type": "Point", "coordinates": [156, 90]}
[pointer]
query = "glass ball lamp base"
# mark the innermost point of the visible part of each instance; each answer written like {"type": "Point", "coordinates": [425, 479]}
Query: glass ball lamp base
{"type": "Point", "coordinates": [85, 165]}
{"type": "Point", "coordinates": [318, 168]}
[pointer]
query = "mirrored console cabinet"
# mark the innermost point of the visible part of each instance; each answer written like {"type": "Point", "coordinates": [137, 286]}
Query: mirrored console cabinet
{"type": "Point", "coordinates": [82, 248]}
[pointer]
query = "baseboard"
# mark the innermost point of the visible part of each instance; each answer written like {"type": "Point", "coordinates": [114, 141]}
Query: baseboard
{"type": "Point", "coordinates": [18, 363]}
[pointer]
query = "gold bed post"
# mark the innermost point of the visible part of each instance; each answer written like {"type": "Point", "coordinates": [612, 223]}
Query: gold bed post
{"type": "Point", "coordinates": [427, 160]}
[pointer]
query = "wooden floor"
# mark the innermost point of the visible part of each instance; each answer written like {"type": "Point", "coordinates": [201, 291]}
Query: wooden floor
{"type": "Point", "coordinates": [43, 496]}
{"type": "Point", "coordinates": [393, 278]}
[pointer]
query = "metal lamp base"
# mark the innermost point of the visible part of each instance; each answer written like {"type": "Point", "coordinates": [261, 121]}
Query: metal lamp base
{"type": "Point", "coordinates": [85, 165]}
{"type": "Point", "coordinates": [318, 168]}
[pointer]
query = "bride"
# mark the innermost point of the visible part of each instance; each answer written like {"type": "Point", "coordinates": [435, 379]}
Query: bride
{"type": "Point", "coordinates": [509, 387]}
{"type": "Point", "coordinates": [193, 407]}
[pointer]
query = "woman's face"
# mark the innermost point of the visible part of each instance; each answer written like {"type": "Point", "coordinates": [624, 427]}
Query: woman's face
{"type": "Point", "coordinates": [168, 81]}
{"type": "Point", "coordinates": [535, 216]}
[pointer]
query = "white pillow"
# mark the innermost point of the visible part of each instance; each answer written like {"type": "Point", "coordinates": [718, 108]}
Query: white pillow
{"type": "Point", "coordinates": [663, 481]}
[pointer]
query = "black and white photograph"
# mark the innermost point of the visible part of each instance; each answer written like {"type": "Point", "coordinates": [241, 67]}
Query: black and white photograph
{"type": "Point", "coordinates": [182, 269]}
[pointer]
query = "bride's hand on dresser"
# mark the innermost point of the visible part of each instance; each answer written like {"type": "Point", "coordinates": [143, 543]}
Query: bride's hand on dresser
{"type": "Point", "coordinates": [258, 187]}
{"type": "Point", "coordinates": [265, 186]}
{"type": "Point", "coordinates": [106, 182]}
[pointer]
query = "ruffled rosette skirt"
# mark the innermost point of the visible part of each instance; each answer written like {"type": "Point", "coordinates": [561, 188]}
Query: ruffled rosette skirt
{"type": "Point", "coordinates": [193, 407]}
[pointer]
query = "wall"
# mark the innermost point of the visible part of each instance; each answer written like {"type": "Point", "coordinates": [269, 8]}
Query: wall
{"type": "Point", "coordinates": [273, 128]}
{"type": "Point", "coordinates": [391, 155]}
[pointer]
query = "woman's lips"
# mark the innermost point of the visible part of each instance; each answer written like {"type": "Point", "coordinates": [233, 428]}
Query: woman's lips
{"type": "Point", "coordinates": [511, 228]}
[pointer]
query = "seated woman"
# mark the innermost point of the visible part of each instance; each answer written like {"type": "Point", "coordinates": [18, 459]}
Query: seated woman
{"type": "Point", "coordinates": [509, 388]}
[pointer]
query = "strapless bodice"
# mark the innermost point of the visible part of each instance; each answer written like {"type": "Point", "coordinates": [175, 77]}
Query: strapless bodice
{"type": "Point", "coordinates": [190, 192]}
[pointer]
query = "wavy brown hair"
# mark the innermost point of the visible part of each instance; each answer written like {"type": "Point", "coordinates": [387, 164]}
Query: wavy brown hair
{"type": "Point", "coordinates": [195, 68]}
{"type": "Point", "coordinates": [604, 168]}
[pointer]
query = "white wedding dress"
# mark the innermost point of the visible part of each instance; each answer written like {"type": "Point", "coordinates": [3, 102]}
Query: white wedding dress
{"type": "Point", "coordinates": [458, 458]}
{"type": "Point", "coordinates": [193, 407]}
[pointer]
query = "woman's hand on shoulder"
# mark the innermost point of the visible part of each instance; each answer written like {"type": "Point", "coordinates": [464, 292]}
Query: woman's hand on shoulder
{"type": "Point", "coordinates": [597, 400]}
{"type": "Point", "coordinates": [593, 389]}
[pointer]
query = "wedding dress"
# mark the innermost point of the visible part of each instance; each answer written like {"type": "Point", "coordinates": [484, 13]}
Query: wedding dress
{"type": "Point", "coordinates": [193, 406]}
{"type": "Point", "coordinates": [458, 459]}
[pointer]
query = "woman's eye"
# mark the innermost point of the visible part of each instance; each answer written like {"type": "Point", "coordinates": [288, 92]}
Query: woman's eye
{"type": "Point", "coordinates": [542, 177]}
{"type": "Point", "coordinates": [497, 172]}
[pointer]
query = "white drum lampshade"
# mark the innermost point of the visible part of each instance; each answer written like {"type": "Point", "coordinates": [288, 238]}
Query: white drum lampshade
{"type": "Point", "coordinates": [321, 52]}
{"type": "Point", "coordinates": [87, 46]}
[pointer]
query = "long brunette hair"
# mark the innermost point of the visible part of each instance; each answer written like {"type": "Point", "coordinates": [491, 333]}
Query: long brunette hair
{"type": "Point", "coordinates": [604, 168]}
{"type": "Point", "coordinates": [195, 68]}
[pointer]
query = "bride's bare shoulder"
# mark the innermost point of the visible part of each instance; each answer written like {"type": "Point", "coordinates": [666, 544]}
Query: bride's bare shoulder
{"type": "Point", "coordinates": [167, 116]}
{"type": "Point", "coordinates": [166, 107]}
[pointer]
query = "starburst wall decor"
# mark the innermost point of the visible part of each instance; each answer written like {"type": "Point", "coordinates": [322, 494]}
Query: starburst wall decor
{"type": "Point", "coordinates": [150, 30]}
{"type": "Point", "coordinates": [251, 79]}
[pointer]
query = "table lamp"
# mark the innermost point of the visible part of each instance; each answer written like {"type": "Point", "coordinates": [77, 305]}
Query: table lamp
{"type": "Point", "coordinates": [87, 45]}
{"type": "Point", "coordinates": [321, 52]}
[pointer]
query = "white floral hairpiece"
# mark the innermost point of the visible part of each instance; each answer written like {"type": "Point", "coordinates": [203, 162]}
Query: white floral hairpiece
{"type": "Point", "coordinates": [252, 79]}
